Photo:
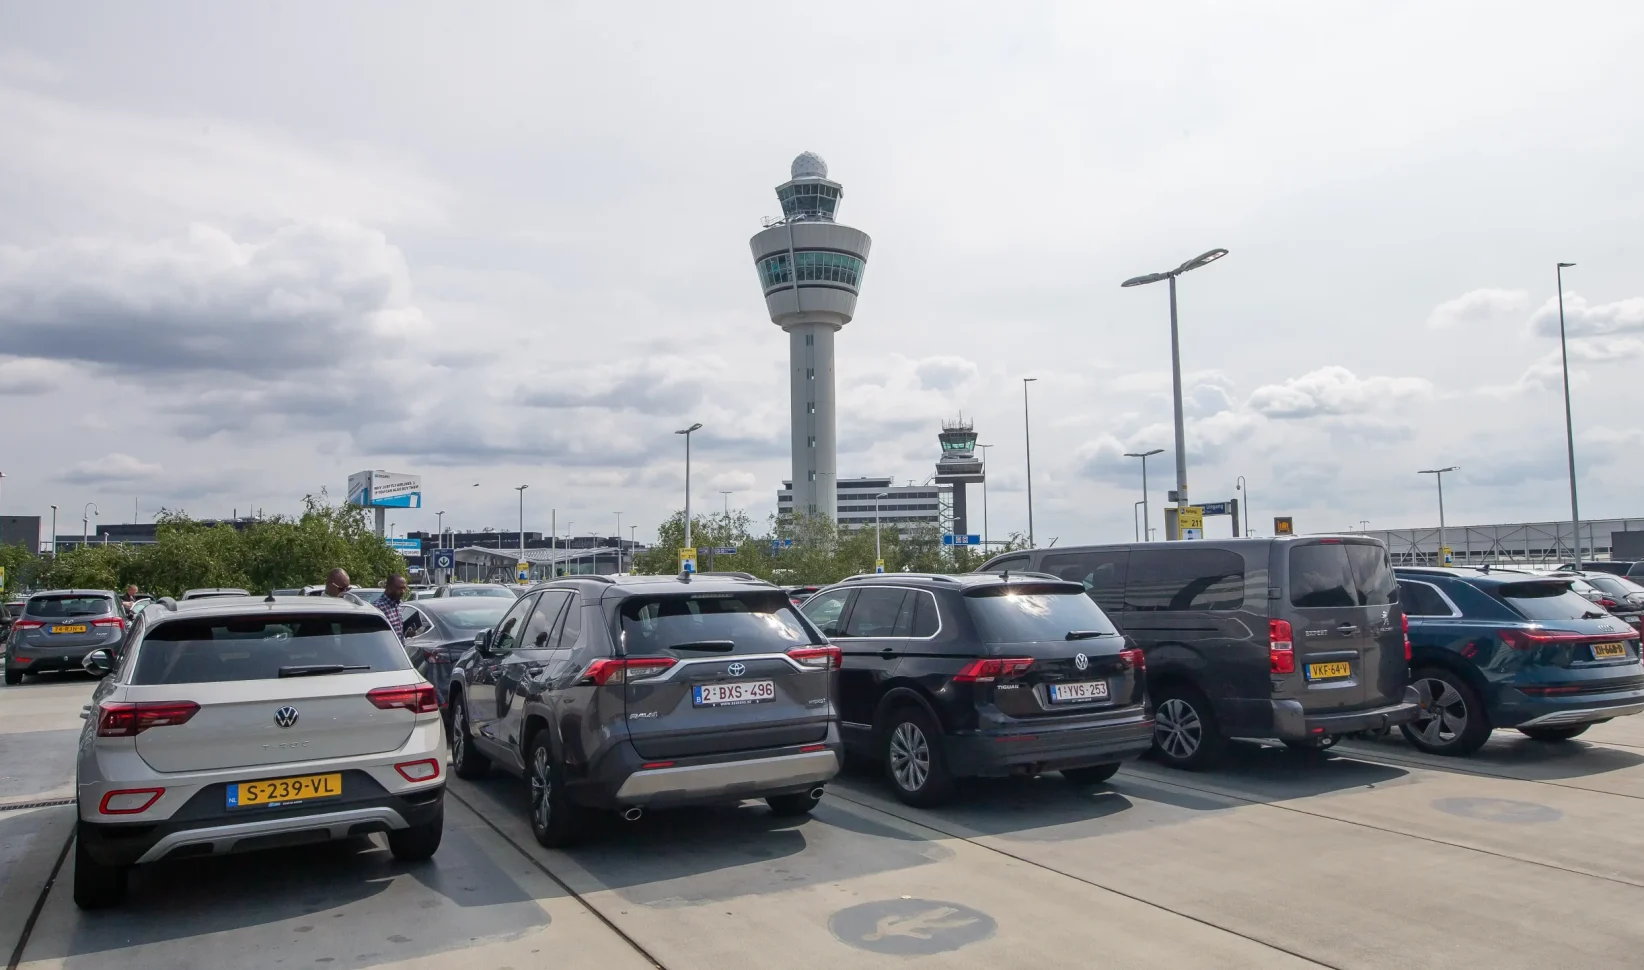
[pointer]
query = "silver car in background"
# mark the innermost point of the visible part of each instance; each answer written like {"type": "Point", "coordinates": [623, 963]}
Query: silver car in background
{"type": "Point", "coordinates": [56, 629]}
{"type": "Point", "coordinates": [236, 724]}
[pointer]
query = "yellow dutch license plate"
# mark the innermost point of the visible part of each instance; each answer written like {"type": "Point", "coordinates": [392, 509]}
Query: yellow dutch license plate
{"type": "Point", "coordinates": [72, 628]}
{"type": "Point", "coordinates": [1608, 651]}
{"type": "Point", "coordinates": [284, 791]}
{"type": "Point", "coordinates": [1327, 671]}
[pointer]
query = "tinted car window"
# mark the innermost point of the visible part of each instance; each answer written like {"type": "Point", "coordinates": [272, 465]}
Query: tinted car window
{"type": "Point", "coordinates": [1102, 573]}
{"type": "Point", "coordinates": [1320, 576]}
{"type": "Point", "coordinates": [926, 620]}
{"type": "Point", "coordinates": [1614, 585]}
{"type": "Point", "coordinates": [541, 624]}
{"type": "Point", "coordinates": [508, 631]}
{"type": "Point", "coordinates": [255, 648]}
{"type": "Point", "coordinates": [1421, 599]}
{"type": "Point", "coordinates": [1373, 580]}
{"type": "Point", "coordinates": [571, 629]}
{"type": "Point", "coordinates": [57, 607]}
{"type": "Point", "coordinates": [1185, 579]}
{"type": "Point", "coordinates": [823, 609]}
{"type": "Point", "coordinates": [1011, 614]}
{"type": "Point", "coordinates": [481, 615]}
{"type": "Point", "coordinates": [1547, 601]}
{"type": "Point", "coordinates": [753, 621]}
{"type": "Point", "coordinates": [1014, 562]}
{"type": "Point", "coordinates": [478, 591]}
{"type": "Point", "coordinates": [875, 612]}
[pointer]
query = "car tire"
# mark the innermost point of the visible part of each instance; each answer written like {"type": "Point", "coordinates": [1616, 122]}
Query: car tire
{"type": "Point", "coordinates": [13, 677]}
{"type": "Point", "coordinates": [96, 886]}
{"type": "Point", "coordinates": [1093, 775]}
{"type": "Point", "coordinates": [556, 820]}
{"type": "Point", "coordinates": [1553, 733]}
{"type": "Point", "coordinates": [914, 760]}
{"type": "Point", "coordinates": [418, 842]}
{"type": "Point", "coordinates": [1452, 721]}
{"type": "Point", "coordinates": [466, 761]}
{"type": "Point", "coordinates": [1186, 734]}
{"type": "Point", "coordinates": [789, 806]}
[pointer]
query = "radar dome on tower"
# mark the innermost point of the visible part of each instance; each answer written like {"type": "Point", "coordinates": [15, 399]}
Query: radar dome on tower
{"type": "Point", "coordinates": [809, 165]}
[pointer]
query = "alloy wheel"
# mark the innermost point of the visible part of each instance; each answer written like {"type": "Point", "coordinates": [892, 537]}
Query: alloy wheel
{"type": "Point", "coordinates": [542, 789]}
{"type": "Point", "coordinates": [909, 756]}
{"type": "Point", "coordinates": [1443, 715]}
{"type": "Point", "coordinates": [1177, 728]}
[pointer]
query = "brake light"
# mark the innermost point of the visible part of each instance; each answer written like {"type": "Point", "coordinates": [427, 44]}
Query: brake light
{"type": "Point", "coordinates": [625, 670]}
{"type": "Point", "coordinates": [1408, 654]}
{"type": "Point", "coordinates": [653, 765]}
{"type": "Point", "coordinates": [116, 720]}
{"type": "Point", "coordinates": [1531, 639]}
{"type": "Point", "coordinates": [1607, 604]}
{"type": "Point", "coordinates": [434, 656]}
{"type": "Point", "coordinates": [1281, 647]}
{"type": "Point", "coordinates": [1133, 658]}
{"type": "Point", "coordinates": [27, 625]}
{"type": "Point", "coordinates": [425, 770]}
{"type": "Point", "coordinates": [823, 658]}
{"type": "Point", "coordinates": [416, 698]}
{"type": "Point", "coordinates": [984, 671]}
{"type": "Point", "coordinates": [113, 621]}
{"type": "Point", "coordinates": [129, 801]}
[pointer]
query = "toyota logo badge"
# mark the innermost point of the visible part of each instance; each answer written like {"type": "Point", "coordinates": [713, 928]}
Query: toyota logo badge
{"type": "Point", "coordinates": [736, 669]}
{"type": "Point", "coordinates": [286, 716]}
{"type": "Point", "coordinates": [1081, 661]}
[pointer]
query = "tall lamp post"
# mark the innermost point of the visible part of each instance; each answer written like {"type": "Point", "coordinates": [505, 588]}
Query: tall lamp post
{"type": "Point", "coordinates": [1569, 424]}
{"type": "Point", "coordinates": [619, 542]}
{"type": "Point", "coordinates": [521, 490]}
{"type": "Point", "coordinates": [1439, 474]}
{"type": "Point", "coordinates": [687, 433]}
{"type": "Point", "coordinates": [90, 510]}
{"type": "Point", "coordinates": [1027, 440]}
{"type": "Point", "coordinates": [1134, 509]}
{"type": "Point", "coordinates": [1203, 259]}
{"type": "Point", "coordinates": [878, 560]}
{"type": "Point", "coordinates": [1144, 456]}
{"type": "Point", "coordinates": [1243, 488]}
{"type": "Point", "coordinates": [984, 497]}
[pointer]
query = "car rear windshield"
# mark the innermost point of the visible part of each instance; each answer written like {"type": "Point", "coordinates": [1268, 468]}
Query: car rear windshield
{"type": "Point", "coordinates": [1548, 601]}
{"type": "Point", "coordinates": [216, 649]}
{"type": "Point", "coordinates": [55, 607]}
{"type": "Point", "coordinates": [497, 591]}
{"type": "Point", "coordinates": [704, 624]}
{"type": "Point", "coordinates": [1615, 585]}
{"type": "Point", "coordinates": [1341, 574]}
{"type": "Point", "coordinates": [478, 616]}
{"type": "Point", "coordinates": [1020, 613]}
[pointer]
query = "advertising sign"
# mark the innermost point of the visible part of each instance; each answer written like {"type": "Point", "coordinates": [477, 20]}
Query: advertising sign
{"type": "Point", "coordinates": [380, 489]}
{"type": "Point", "coordinates": [409, 548]}
{"type": "Point", "coordinates": [522, 571]}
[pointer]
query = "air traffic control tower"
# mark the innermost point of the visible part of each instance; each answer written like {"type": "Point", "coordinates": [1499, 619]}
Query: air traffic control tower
{"type": "Point", "coordinates": [810, 268]}
{"type": "Point", "coordinates": [958, 467]}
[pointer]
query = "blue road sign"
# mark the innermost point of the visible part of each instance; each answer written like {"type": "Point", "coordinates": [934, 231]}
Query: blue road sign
{"type": "Point", "coordinates": [781, 543]}
{"type": "Point", "coordinates": [723, 550]}
{"type": "Point", "coordinates": [445, 559]}
{"type": "Point", "coordinates": [957, 540]}
{"type": "Point", "coordinates": [1216, 508]}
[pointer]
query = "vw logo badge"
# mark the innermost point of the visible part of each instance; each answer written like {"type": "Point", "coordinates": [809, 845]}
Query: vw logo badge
{"type": "Point", "coordinates": [736, 669]}
{"type": "Point", "coordinates": [1081, 661]}
{"type": "Point", "coordinates": [286, 716]}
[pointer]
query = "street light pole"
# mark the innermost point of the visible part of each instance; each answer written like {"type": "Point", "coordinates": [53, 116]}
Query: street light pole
{"type": "Point", "coordinates": [521, 490]}
{"type": "Point", "coordinates": [1569, 424]}
{"type": "Point", "coordinates": [877, 556]}
{"type": "Point", "coordinates": [1027, 440]}
{"type": "Point", "coordinates": [54, 532]}
{"type": "Point", "coordinates": [1144, 456]}
{"type": "Point", "coordinates": [1176, 371]}
{"type": "Point", "coordinates": [1443, 541]}
{"type": "Point", "coordinates": [619, 542]}
{"type": "Point", "coordinates": [687, 433]}
{"type": "Point", "coordinates": [90, 510]}
{"type": "Point", "coordinates": [984, 497]}
{"type": "Point", "coordinates": [1134, 508]}
{"type": "Point", "coordinates": [1243, 488]}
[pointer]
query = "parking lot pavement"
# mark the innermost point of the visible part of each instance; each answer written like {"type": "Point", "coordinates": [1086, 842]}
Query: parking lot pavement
{"type": "Point", "coordinates": [1373, 856]}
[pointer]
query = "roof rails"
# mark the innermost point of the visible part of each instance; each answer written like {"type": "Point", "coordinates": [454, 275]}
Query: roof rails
{"type": "Point", "coordinates": [1008, 574]}
{"type": "Point", "coordinates": [941, 577]}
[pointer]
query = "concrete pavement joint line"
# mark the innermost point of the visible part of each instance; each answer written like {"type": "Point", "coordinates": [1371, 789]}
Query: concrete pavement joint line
{"type": "Point", "coordinates": [1088, 882]}
{"type": "Point", "coordinates": [1374, 756]}
{"type": "Point", "coordinates": [1409, 835]}
{"type": "Point", "coordinates": [624, 937]}
{"type": "Point", "coordinates": [39, 905]}
{"type": "Point", "coordinates": [52, 803]}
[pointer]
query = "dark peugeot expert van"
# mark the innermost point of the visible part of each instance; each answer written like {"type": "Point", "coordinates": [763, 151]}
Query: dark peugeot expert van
{"type": "Point", "coordinates": [1298, 637]}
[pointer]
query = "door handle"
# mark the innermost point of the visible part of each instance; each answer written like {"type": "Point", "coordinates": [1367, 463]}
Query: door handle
{"type": "Point", "coordinates": [887, 653]}
{"type": "Point", "coordinates": [1347, 628]}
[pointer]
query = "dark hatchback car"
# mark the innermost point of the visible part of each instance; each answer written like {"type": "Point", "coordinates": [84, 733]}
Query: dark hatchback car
{"type": "Point", "coordinates": [627, 693]}
{"type": "Point", "coordinates": [1298, 638]}
{"type": "Point", "coordinates": [1510, 650]}
{"type": "Point", "coordinates": [945, 677]}
{"type": "Point", "coordinates": [58, 628]}
{"type": "Point", "coordinates": [439, 631]}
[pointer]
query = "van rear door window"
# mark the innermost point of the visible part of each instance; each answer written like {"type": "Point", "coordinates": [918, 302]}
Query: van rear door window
{"type": "Point", "coordinates": [1167, 580]}
{"type": "Point", "coordinates": [1336, 573]}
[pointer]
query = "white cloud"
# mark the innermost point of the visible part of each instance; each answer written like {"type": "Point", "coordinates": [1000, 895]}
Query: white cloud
{"type": "Point", "coordinates": [1335, 390]}
{"type": "Point", "coordinates": [30, 375]}
{"type": "Point", "coordinates": [1478, 306]}
{"type": "Point", "coordinates": [116, 468]}
{"type": "Point", "coordinates": [1583, 319]}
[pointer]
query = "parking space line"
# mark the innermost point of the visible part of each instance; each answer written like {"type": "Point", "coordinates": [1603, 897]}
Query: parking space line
{"type": "Point", "coordinates": [1412, 761]}
{"type": "Point", "coordinates": [39, 905]}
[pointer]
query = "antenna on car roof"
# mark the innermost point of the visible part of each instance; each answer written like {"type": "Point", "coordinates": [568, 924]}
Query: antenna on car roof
{"type": "Point", "coordinates": [269, 598]}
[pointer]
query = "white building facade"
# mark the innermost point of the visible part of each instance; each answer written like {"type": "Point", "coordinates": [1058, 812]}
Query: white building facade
{"type": "Point", "coordinates": [903, 508]}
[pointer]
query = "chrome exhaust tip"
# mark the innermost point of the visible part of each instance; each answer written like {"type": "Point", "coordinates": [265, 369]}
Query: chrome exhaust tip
{"type": "Point", "coordinates": [816, 792]}
{"type": "Point", "coordinates": [633, 814]}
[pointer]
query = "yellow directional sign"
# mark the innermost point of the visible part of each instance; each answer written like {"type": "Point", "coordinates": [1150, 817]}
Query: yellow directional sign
{"type": "Point", "coordinates": [522, 570]}
{"type": "Point", "coordinates": [1191, 517]}
{"type": "Point", "coordinates": [879, 565]}
{"type": "Point", "coordinates": [687, 559]}
{"type": "Point", "coordinates": [2, 577]}
{"type": "Point", "coordinates": [1283, 525]}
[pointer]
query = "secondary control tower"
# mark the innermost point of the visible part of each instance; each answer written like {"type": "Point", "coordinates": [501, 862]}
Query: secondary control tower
{"type": "Point", "coordinates": [958, 467]}
{"type": "Point", "coordinates": [810, 268]}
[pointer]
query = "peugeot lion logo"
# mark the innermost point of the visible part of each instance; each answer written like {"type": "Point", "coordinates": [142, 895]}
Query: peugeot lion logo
{"type": "Point", "coordinates": [1081, 661]}
{"type": "Point", "coordinates": [736, 669]}
{"type": "Point", "coordinates": [285, 716]}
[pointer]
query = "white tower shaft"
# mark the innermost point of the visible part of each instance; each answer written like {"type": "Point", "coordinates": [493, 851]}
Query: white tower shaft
{"type": "Point", "coordinates": [815, 445]}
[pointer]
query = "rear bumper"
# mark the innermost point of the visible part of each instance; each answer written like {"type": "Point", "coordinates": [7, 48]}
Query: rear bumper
{"type": "Point", "coordinates": [1292, 722]}
{"type": "Point", "coordinates": [1515, 709]}
{"type": "Point", "coordinates": [46, 659]}
{"type": "Point", "coordinates": [222, 832]}
{"type": "Point", "coordinates": [620, 778]}
{"type": "Point", "coordinates": [1049, 748]}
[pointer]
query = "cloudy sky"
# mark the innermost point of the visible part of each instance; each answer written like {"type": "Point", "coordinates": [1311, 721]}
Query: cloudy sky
{"type": "Point", "coordinates": [249, 249]}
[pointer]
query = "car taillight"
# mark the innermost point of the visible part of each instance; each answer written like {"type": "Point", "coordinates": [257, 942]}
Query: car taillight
{"type": "Point", "coordinates": [425, 770]}
{"type": "Point", "coordinates": [1408, 653]}
{"type": "Point", "coordinates": [826, 658]}
{"type": "Point", "coordinates": [602, 672]}
{"type": "Point", "coordinates": [1133, 658]}
{"type": "Point", "coordinates": [129, 801]}
{"type": "Point", "coordinates": [434, 655]}
{"type": "Point", "coordinates": [983, 671]}
{"type": "Point", "coordinates": [1606, 603]}
{"type": "Point", "coordinates": [1531, 639]}
{"type": "Point", "coordinates": [117, 720]}
{"type": "Point", "coordinates": [416, 698]}
{"type": "Point", "coordinates": [1281, 647]}
{"type": "Point", "coordinates": [27, 625]}
{"type": "Point", "coordinates": [110, 621]}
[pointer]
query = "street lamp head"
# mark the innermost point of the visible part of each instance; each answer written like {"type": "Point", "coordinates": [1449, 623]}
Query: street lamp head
{"type": "Point", "coordinates": [1565, 265]}
{"type": "Point", "coordinates": [1438, 471]}
{"type": "Point", "coordinates": [694, 427]}
{"type": "Point", "coordinates": [1028, 380]}
{"type": "Point", "coordinates": [1203, 259]}
{"type": "Point", "coordinates": [1144, 454]}
{"type": "Point", "coordinates": [883, 495]}
{"type": "Point", "coordinates": [1144, 280]}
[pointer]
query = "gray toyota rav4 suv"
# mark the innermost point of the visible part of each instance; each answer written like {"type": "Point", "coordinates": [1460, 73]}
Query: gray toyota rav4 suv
{"type": "Point", "coordinates": [630, 692]}
{"type": "Point", "coordinates": [1298, 638]}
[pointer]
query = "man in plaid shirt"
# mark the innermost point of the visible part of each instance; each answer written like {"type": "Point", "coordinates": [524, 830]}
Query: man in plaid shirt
{"type": "Point", "coordinates": [389, 603]}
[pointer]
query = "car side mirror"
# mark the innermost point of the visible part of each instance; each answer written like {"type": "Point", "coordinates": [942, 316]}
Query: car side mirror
{"type": "Point", "coordinates": [98, 663]}
{"type": "Point", "coordinates": [482, 642]}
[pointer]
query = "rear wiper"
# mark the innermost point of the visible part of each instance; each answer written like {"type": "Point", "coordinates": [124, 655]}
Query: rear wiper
{"type": "Point", "coordinates": [1590, 615]}
{"type": "Point", "coordinates": [310, 670]}
{"type": "Point", "coordinates": [1085, 634]}
{"type": "Point", "coordinates": [707, 646]}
